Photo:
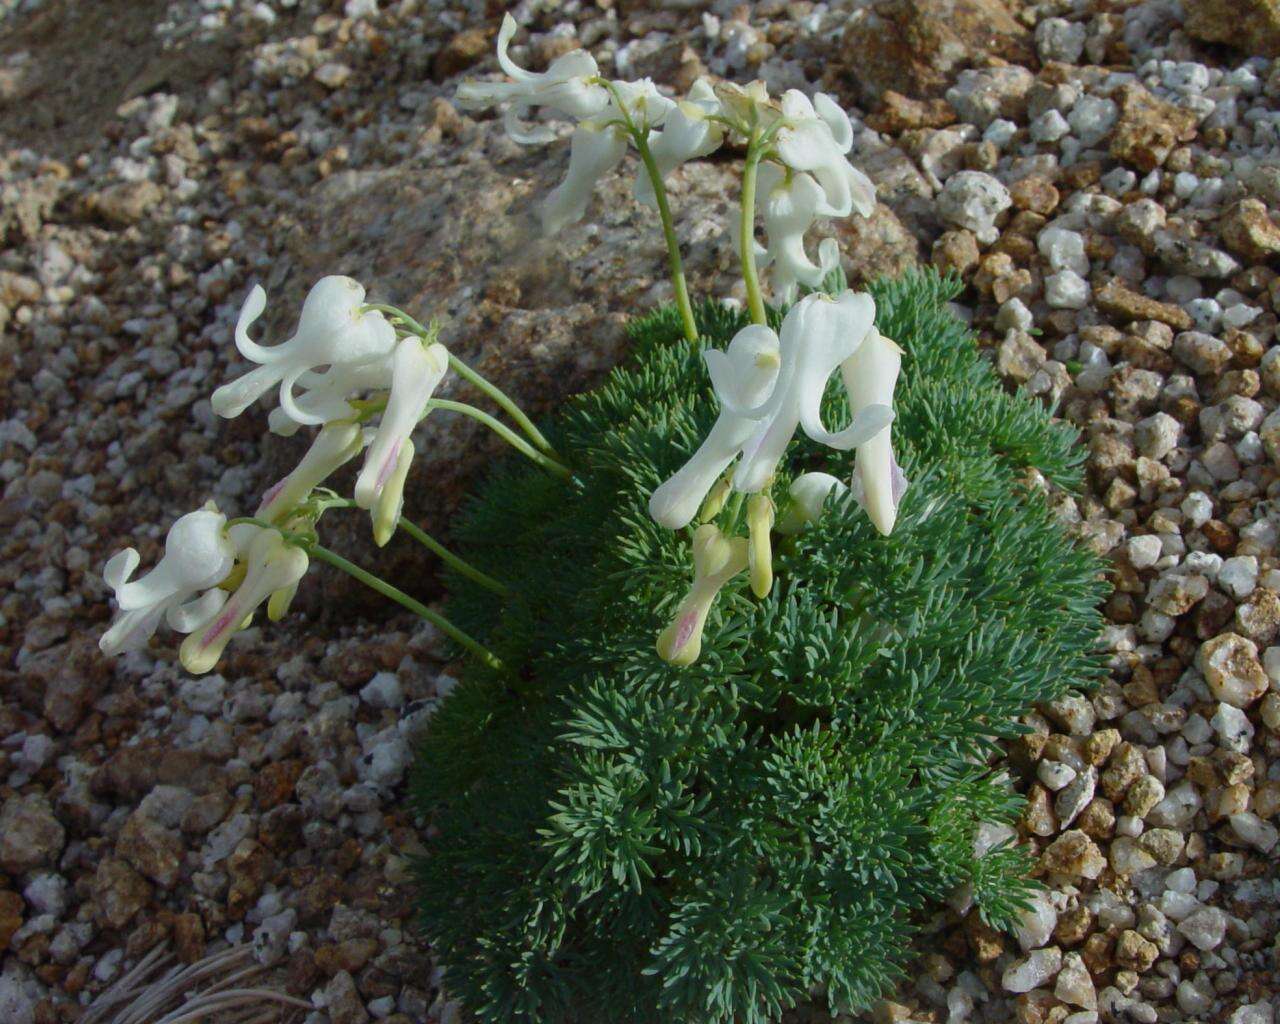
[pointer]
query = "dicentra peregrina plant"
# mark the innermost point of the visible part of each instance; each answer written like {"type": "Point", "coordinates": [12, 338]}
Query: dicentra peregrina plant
{"type": "Point", "coordinates": [620, 834]}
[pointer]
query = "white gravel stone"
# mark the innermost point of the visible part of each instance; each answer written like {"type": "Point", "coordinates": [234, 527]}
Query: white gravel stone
{"type": "Point", "coordinates": [1178, 807]}
{"type": "Point", "coordinates": [1143, 550]}
{"type": "Point", "coordinates": [1252, 1013]}
{"type": "Point", "coordinates": [1066, 290]}
{"type": "Point", "coordinates": [1014, 315]}
{"type": "Point", "coordinates": [1177, 906]}
{"type": "Point", "coordinates": [1235, 731]}
{"type": "Point", "coordinates": [1075, 797]}
{"type": "Point", "coordinates": [46, 893]}
{"type": "Point", "coordinates": [1035, 925]}
{"type": "Point", "coordinates": [1049, 127]}
{"type": "Point", "coordinates": [1064, 249]}
{"type": "Point", "coordinates": [1271, 663]}
{"type": "Point", "coordinates": [203, 694]}
{"type": "Point", "coordinates": [1033, 970]}
{"type": "Point", "coordinates": [1157, 435]}
{"type": "Point", "coordinates": [34, 753]}
{"type": "Point", "coordinates": [1205, 929]}
{"type": "Point", "coordinates": [1059, 39]}
{"type": "Point", "coordinates": [1238, 576]}
{"type": "Point", "coordinates": [1092, 118]}
{"type": "Point", "coordinates": [383, 691]}
{"type": "Point", "coordinates": [1075, 985]}
{"type": "Point", "coordinates": [1054, 774]}
{"type": "Point", "coordinates": [1259, 834]}
{"type": "Point", "coordinates": [271, 938]}
{"type": "Point", "coordinates": [1197, 507]}
{"type": "Point", "coordinates": [1195, 996]}
{"type": "Point", "coordinates": [973, 200]}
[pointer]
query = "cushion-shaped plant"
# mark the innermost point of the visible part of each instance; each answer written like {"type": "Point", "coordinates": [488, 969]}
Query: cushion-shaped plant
{"type": "Point", "coordinates": [617, 838]}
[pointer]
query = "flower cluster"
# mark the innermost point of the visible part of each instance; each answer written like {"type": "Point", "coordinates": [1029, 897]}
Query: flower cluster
{"type": "Point", "coordinates": [361, 353]}
{"type": "Point", "coordinates": [345, 363]}
{"type": "Point", "coordinates": [209, 583]}
{"type": "Point", "coordinates": [801, 147]}
{"type": "Point", "coordinates": [366, 375]}
{"type": "Point", "coordinates": [768, 385]}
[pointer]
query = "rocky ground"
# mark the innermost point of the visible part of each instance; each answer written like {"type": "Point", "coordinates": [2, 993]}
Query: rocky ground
{"type": "Point", "coordinates": [1103, 175]}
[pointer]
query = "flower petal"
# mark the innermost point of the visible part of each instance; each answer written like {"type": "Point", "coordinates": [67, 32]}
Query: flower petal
{"type": "Point", "coordinates": [593, 153]}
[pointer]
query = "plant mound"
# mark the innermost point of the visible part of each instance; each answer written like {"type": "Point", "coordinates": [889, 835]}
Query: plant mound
{"type": "Point", "coordinates": [614, 839]}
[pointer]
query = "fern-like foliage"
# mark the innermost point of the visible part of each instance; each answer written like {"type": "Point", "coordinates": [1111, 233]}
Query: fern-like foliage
{"type": "Point", "coordinates": [617, 839]}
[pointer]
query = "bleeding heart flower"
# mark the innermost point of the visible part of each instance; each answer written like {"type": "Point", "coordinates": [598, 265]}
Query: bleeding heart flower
{"type": "Point", "coordinates": [198, 555]}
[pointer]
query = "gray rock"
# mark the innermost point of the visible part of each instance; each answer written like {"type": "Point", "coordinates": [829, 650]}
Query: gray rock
{"type": "Point", "coordinates": [30, 835]}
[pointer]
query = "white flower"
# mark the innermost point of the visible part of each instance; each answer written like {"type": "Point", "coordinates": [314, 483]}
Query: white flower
{"type": "Point", "coordinates": [417, 369]}
{"type": "Point", "coordinates": [767, 388]}
{"type": "Point", "coordinates": [790, 208]}
{"type": "Point", "coordinates": [743, 377]}
{"type": "Point", "coordinates": [815, 139]}
{"type": "Point", "coordinates": [747, 105]}
{"type": "Point", "coordinates": [687, 133]}
{"type": "Point", "coordinates": [272, 567]}
{"type": "Point", "coordinates": [333, 330]}
{"type": "Point", "coordinates": [716, 560]}
{"type": "Point", "coordinates": [818, 335]}
{"type": "Point", "coordinates": [809, 493]}
{"type": "Point", "coordinates": [326, 396]}
{"type": "Point", "coordinates": [198, 555]}
{"type": "Point", "coordinates": [598, 145]}
{"type": "Point", "coordinates": [594, 151]}
{"type": "Point", "coordinates": [870, 376]}
{"type": "Point", "coordinates": [566, 87]}
{"type": "Point", "coordinates": [336, 444]}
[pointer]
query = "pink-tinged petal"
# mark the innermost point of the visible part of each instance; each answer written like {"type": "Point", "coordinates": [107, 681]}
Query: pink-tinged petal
{"type": "Point", "coordinates": [273, 492]}
{"type": "Point", "coordinates": [897, 481]}
{"type": "Point", "coordinates": [229, 616]}
{"type": "Point", "coordinates": [389, 464]}
{"type": "Point", "coordinates": [684, 631]}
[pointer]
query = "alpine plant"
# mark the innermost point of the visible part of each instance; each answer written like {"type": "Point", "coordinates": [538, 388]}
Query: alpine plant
{"type": "Point", "coordinates": [739, 631]}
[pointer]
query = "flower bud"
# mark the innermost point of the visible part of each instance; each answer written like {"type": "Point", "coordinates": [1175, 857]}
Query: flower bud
{"type": "Point", "coordinates": [336, 444]}
{"type": "Point", "coordinates": [808, 496]}
{"type": "Point", "coordinates": [760, 517]}
{"type": "Point", "coordinates": [716, 560]}
{"type": "Point", "coordinates": [272, 565]}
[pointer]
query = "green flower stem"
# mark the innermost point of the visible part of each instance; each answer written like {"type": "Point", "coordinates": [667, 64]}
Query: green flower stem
{"type": "Point", "coordinates": [506, 433]}
{"type": "Point", "coordinates": [431, 544]}
{"type": "Point", "coordinates": [400, 597]}
{"type": "Point", "coordinates": [747, 229]}
{"type": "Point", "coordinates": [640, 136]}
{"type": "Point", "coordinates": [501, 398]}
{"type": "Point", "coordinates": [309, 545]}
{"type": "Point", "coordinates": [462, 566]}
{"type": "Point", "coordinates": [463, 370]}
{"type": "Point", "coordinates": [674, 263]}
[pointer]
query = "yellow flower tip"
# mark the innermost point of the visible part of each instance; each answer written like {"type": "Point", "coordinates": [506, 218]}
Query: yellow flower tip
{"type": "Point", "coordinates": [681, 642]}
{"type": "Point", "coordinates": [386, 510]}
{"type": "Point", "coordinates": [768, 359]}
{"type": "Point", "coordinates": [716, 560]}
{"type": "Point", "coordinates": [234, 578]}
{"type": "Point", "coordinates": [278, 603]}
{"type": "Point", "coordinates": [715, 500]}
{"type": "Point", "coordinates": [760, 518]}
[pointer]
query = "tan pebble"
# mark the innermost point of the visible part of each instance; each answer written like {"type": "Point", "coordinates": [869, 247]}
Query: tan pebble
{"type": "Point", "coordinates": [1135, 952]}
